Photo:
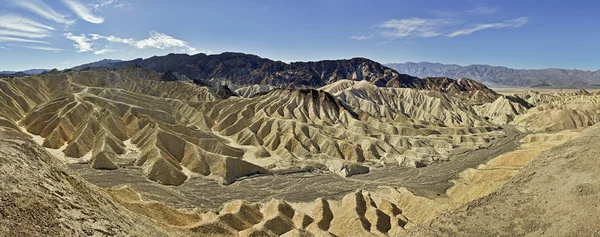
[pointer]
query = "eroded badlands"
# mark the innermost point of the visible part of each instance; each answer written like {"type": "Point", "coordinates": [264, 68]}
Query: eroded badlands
{"type": "Point", "coordinates": [125, 153]}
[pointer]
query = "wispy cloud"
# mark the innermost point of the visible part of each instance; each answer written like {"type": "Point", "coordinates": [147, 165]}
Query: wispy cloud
{"type": "Point", "coordinates": [104, 51]}
{"type": "Point", "coordinates": [20, 40]}
{"type": "Point", "coordinates": [360, 37]}
{"type": "Point", "coordinates": [15, 28]}
{"type": "Point", "coordinates": [83, 11]}
{"type": "Point", "coordinates": [446, 24]}
{"type": "Point", "coordinates": [22, 34]}
{"type": "Point", "coordinates": [123, 6]}
{"type": "Point", "coordinates": [19, 23]}
{"type": "Point", "coordinates": [514, 23]}
{"type": "Point", "coordinates": [157, 40]}
{"type": "Point", "coordinates": [415, 27]}
{"type": "Point", "coordinates": [118, 4]}
{"type": "Point", "coordinates": [82, 42]}
{"type": "Point", "coordinates": [103, 4]}
{"type": "Point", "coordinates": [44, 48]}
{"type": "Point", "coordinates": [113, 39]}
{"type": "Point", "coordinates": [40, 8]}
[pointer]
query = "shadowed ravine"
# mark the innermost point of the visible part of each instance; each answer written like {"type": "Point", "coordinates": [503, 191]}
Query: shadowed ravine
{"type": "Point", "coordinates": [429, 181]}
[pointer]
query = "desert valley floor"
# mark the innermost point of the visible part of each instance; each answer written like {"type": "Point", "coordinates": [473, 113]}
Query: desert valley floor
{"type": "Point", "coordinates": [130, 151]}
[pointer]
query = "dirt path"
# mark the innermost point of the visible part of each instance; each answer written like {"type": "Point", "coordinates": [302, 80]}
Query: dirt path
{"type": "Point", "coordinates": [429, 181]}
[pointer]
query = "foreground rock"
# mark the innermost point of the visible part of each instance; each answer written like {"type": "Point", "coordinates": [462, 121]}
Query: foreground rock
{"type": "Point", "coordinates": [40, 196]}
{"type": "Point", "coordinates": [556, 194]}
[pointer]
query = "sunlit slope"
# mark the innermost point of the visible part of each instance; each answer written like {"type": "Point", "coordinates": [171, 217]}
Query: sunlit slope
{"type": "Point", "coordinates": [559, 111]}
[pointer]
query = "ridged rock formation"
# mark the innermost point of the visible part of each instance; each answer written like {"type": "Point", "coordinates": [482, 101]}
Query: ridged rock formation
{"type": "Point", "coordinates": [406, 105]}
{"type": "Point", "coordinates": [133, 121]}
{"type": "Point", "coordinates": [250, 91]}
{"type": "Point", "coordinates": [470, 90]}
{"type": "Point", "coordinates": [94, 112]}
{"type": "Point", "coordinates": [175, 130]}
{"type": "Point", "coordinates": [359, 213]}
{"type": "Point", "coordinates": [559, 111]}
{"type": "Point", "coordinates": [503, 110]}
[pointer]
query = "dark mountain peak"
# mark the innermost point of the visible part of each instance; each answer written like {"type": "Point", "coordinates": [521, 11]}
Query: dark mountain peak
{"type": "Point", "coordinates": [224, 92]}
{"type": "Point", "coordinates": [169, 76]}
{"type": "Point", "coordinates": [239, 69]}
{"type": "Point", "coordinates": [248, 69]}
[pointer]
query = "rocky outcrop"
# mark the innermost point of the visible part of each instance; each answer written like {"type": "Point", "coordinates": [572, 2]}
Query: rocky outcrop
{"type": "Point", "coordinates": [41, 196]}
{"type": "Point", "coordinates": [555, 187]}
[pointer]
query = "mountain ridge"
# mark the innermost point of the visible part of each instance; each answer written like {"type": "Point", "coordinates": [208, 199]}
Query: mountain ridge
{"type": "Point", "coordinates": [249, 69]}
{"type": "Point", "coordinates": [504, 76]}
{"type": "Point", "coordinates": [238, 70]}
{"type": "Point", "coordinates": [101, 63]}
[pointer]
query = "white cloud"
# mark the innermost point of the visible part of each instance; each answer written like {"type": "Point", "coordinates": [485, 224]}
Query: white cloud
{"type": "Point", "coordinates": [156, 40]}
{"type": "Point", "coordinates": [115, 39]}
{"type": "Point", "coordinates": [162, 41]}
{"type": "Point", "coordinates": [82, 42]}
{"type": "Point", "coordinates": [22, 34]}
{"type": "Point", "coordinates": [360, 37]}
{"type": "Point", "coordinates": [44, 48]}
{"type": "Point", "coordinates": [514, 23]}
{"type": "Point", "coordinates": [14, 28]}
{"type": "Point", "coordinates": [19, 23]}
{"type": "Point", "coordinates": [415, 27]}
{"type": "Point", "coordinates": [43, 10]}
{"type": "Point", "coordinates": [104, 51]}
{"type": "Point", "coordinates": [20, 40]}
{"type": "Point", "coordinates": [437, 27]}
{"type": "Point", "coordinates": [86, 43]}
{"type": "Point", "coordinates": [83, 12]}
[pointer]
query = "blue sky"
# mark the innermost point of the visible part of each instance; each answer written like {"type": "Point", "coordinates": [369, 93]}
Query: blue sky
{"type": "Point", "coordinates": [518, 34]}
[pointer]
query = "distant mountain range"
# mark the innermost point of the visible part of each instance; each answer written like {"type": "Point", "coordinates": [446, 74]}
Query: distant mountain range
{"type": "Point", "coordinates": [247, 69]}
{"type": "Point", "coordinates": [503, 76]}
{"type": "Point", "coordinates": [28, 72]}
